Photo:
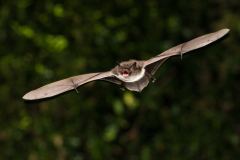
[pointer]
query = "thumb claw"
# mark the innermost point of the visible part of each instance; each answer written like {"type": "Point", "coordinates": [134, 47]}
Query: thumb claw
{"type": "Point", "coordinates": [76, 89]}
{"type": "Point", "coordinates": [74, 85]}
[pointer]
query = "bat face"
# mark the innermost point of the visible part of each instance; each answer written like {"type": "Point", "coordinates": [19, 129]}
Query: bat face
{"type": "Point", "coordinates": [129, 71]}
{"type": "Point", "coordinates": [132, 74]}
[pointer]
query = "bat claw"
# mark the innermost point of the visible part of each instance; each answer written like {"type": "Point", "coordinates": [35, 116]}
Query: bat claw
{"type": "Point", "coordinates": [76, 89]}
{"type": "Point", "coordinates": [74, 85]}
{"type": "Point", "coordinates": [153, 79]}
{"type": "Point", "coordinates": [150, 77]}
{"type": "Point", "coordinates": [181, 54]}
{"type": "Point", "coordinates": [181, 51]}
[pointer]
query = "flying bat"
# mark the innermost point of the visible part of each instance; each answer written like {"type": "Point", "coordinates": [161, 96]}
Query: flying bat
{"type": "Point", "coordinates": [133, 74]}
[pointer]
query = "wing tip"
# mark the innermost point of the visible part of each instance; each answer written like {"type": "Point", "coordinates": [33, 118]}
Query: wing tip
{"type": "Point", "coordinates": [29, 96]}
{"type": "Point", "coordinates": [224, 31]}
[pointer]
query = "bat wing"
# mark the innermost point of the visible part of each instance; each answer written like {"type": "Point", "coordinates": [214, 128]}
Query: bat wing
{"type": "Point", "coordinates": [152, 68]}
{"type": "Point", "coordinates": [154, 63]}
{"type": "Point", "coordinates": [112, 80]}
{"type": "Point", "coordinates": [64, 85]}
{"type": "Point", "coordinates": [138, 85]}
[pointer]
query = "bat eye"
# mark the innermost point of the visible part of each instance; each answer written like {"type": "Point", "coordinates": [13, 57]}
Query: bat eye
{"type": "Point", "coordinates": [125, 73]}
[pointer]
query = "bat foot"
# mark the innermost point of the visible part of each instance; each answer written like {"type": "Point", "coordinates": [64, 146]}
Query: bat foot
{"type": "Point", "coordinates": [122, 88]}
{"type": "Point", "coordinates": [153, 79]}
{"type": "Point", "coordinates": [150, 77]}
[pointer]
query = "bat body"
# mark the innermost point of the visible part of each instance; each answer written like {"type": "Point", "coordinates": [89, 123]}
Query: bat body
{"type": "Point", "coordinates": [133, 74]}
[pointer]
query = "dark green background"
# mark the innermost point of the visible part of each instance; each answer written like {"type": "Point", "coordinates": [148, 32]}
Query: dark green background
{"type": "Point", "coordinates": [190, 112]}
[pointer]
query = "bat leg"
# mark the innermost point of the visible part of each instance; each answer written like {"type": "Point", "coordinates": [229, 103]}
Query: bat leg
{"type": "Point", "coordinates": [122, 86]}
{"type": "Point", "coordinates": [150, 76]}
{"type": "Point", "coordinates": [74, 85]}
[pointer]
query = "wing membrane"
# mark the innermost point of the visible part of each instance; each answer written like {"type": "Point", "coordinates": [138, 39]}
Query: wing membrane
{"type": "Point", "coordinates": [189, 46]}
{"type": "Point", "coordinates": [64, 85]}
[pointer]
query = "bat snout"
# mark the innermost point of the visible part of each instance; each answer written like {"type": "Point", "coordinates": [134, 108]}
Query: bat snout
{"type": "Point", "coordinates": [125, 73]}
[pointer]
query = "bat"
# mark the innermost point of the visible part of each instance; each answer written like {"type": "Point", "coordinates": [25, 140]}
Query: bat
{"type": "Point", "coordinates": [133, 74]}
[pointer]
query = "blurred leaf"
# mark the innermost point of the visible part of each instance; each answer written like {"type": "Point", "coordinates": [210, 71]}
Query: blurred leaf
{"type": "Point", "coordinates": [118, 107]}
{"type": "Point", "coordinates": [130, 100]}
{"type": "Point", "coordinates": [111, 132]}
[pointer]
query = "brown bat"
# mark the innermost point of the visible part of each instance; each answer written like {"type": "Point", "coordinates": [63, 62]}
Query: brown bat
{"type": "Point", "coordinates": [132, 74]}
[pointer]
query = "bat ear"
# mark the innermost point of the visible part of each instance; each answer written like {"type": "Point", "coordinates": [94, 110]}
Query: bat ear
{"type": "Point", "coordinates": [133, 66]}
{"type": "Point", "coordinates": [118, 64]}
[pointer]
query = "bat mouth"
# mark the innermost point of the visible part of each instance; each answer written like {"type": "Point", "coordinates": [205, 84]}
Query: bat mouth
{"type": "Point", "coordinates": [125, 73]}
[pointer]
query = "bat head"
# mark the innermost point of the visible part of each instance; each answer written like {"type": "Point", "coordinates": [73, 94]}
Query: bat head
{"type": "Point", "coordinates": [128, 71]}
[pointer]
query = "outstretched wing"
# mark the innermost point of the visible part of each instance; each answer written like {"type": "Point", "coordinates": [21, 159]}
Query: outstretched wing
{"type": "Point", "coordinates": [64, 85]}
{"type": "Point", "coordinates": [154, 63]}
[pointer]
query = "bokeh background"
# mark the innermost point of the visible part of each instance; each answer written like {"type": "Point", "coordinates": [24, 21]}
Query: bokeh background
{"type": "Point", "coordinates": [190, 112]}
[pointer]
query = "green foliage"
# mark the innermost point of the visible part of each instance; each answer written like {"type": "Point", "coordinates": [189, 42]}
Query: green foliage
{"type": "Point", "coordinates": [190, 112]}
